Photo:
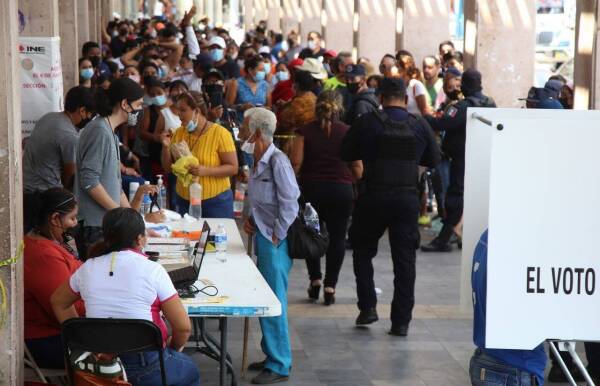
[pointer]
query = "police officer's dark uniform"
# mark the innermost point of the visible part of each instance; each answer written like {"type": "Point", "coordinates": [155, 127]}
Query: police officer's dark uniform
{"type": "Point", "coordinates": [391, 143]}
{"type": "Point", "coordinates": [454, 124]}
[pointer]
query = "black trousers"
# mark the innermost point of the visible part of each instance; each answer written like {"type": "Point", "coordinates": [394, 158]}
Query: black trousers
{"type": "Point", "coordinates": [85, 237]}
{"type": "Point", "coordinates": [333, 202]}
{"type": "Point", "coordinates": [398, 212]}
{"type": "Point", "coordinates": [454, 199]}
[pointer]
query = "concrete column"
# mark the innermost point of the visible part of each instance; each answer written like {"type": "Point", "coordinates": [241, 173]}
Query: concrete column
{"type": "Point", "coordinates": [106, 11]}
{"type": "Point", "coordinates": [424, 25]}
{"type": "Point", "coordinates": [83, 23]}
{"type": "Point", "coordinates": [596, 94]}
{"type": "Point", "coordinates": [260, 11]}
{"type": "Point", "coordinates": [337, 24]}
{"type": "Point", "coordinates": [274, 14]}
{"type": "Point", "coordinates": [11, 203]}
{"type": "Point", "coordinates": [248, 11]}
{"type": "Point", "coordinates": [218, 12]}
{"type": "Point", "coordinates": [585, 36]}
{"type": "Point", "coordinates": [491, 30]}
{"type": "Point", "coordinates": [94, 28]}
{"type": "Point", "coordinates": [69, 48]}
{"type": "Point", "coordinates": [41, 17]}
{"type": "Point", "coordinates": [290, 16]}
{"type": "Point", "coordinates": [233, 18]}
{"type": "Point", "coordinates": [377, 21]}
{"type": "Point", "coordinates": [210, 11]}
{"type": "Point", "coordinates": [310, 18]}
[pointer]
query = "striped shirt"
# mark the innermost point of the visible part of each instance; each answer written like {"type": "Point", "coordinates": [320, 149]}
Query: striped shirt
{"type": "Point", "coordinates": [206, 149]}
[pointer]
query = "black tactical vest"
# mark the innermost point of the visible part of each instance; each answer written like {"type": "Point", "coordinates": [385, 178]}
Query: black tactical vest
{"type": "Point", "coordinates": [396, 165]}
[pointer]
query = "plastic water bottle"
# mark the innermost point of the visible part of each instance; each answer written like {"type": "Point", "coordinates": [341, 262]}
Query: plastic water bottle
{"type": "Point", "coordinates": [221, 243]}
{"type": "Point", "coordinates": [196, 200]}
{"type": "Point", "coordinates": [238, 199]}
{"type": "Point", "coordinates": [311, 218]}
{"type": "Point", "coordinates": [146, 201]}
{"type": "Point", "coordinates": [162, 192]}
{"type": "Point", "coordinates": [133, 187]}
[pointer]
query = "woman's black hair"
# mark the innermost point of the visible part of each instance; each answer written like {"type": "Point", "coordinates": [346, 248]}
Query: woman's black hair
{"type": "Point", "coordinates": [45, 204]}
{"type": "Point", "coordinates": [151, 82]}
{"type": "Point", "coordinates": [176, 83]}
{"type": "Point", "coordinates": [122, 88]}
{"type": "Point", "coordinates": [253, 62]}
{"type": "Point", "coordinates": [304, 81]}
{"type": "Point", "coordinates": [121, 228]}
{"type": "Point", "coordinates": [146, 63]}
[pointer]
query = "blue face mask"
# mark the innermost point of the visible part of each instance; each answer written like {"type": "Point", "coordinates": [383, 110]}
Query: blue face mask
{"type": "Point", "coordinates": [87, 73]}
{"type": "Point", "coordinates": [161, 73]}
{"type": "Point", "coordinates": [283, 75]}
{"type": "Point", "coordinates": [148, 101]}
{"type": "Point", "coordinates": [260, 76]}
{"type": "Point", "coordinates": [160, 100]}
{"type": "Point", "coordinates": [267, 68]}
{"type": "Point", "coordinates": [191, 126]}
{"type": "Point", "coordinates": [217, 54]}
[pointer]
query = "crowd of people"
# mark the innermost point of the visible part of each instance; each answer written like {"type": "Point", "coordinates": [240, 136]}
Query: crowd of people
{"type": "Point", "coordinates": [360, 141]}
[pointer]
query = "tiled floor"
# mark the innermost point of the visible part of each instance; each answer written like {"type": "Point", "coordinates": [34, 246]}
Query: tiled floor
{"type": "Point", "coordinates": [329, 350]}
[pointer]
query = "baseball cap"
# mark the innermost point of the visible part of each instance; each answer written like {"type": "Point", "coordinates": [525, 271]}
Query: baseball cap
{"type": "Point", "coordinates": [204, 60]}
{"type": "Point", "coordinates": [314, 67]}
{"type": "Point", "coordinates": [353, 70]}
{"type": "Point", "coordinates": [264, 50]}
{"type": "Point", "coordinates": [553, 88]}
{"type": "Point", "coordinates": [549, 104]}
{"type": "Point", "coordinates": [295, 63]}
{"type": "Point", "coordinates": [330, 53]}
{"type": "Point", "coordinates": [217, 41]}
{"type": "Point", "coordinates": [454, 71]}
{"type": "Point", "coordinates": [214, 72]}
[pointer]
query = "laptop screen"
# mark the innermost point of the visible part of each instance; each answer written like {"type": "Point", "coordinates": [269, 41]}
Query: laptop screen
{"type": "Point", "coordinates": [201, 245]}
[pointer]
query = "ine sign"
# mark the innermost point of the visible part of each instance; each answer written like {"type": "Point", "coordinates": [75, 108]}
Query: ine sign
{"type": "Point", "coordinates": [543, 262]}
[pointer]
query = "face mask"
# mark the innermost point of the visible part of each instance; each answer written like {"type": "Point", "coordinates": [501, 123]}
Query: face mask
{"type": "Point", "coordinates": [283, 75]}
{"type": "Point", "coordinates": [132, 117]}
{"type": "Point", "coordinates": [148, 101]}
{"type": "Point", "coordinates": [216, 54]}
{"type": "Point", "coordinates": [453, 95]}
{"type": "Point", "coordinates": [260, 76]}
{"type": "Point", "coordinates": [87, 73]}
{"type": "Point", "coordinates": [115, 33]}
{"type": "Point", "coordinates": [240, 63]}
{"type": "Point", "coordinates": [95, 61]}
{"type": "Point", "coordinates": [162, 72]}
{"type": "Point", "coordinates": [83, 122]}
{"type": "Point", "coordinates": [233, 55]}
{"type": "Point", "coordinates": [312, 44]}
{"type": "Point", "coordinates": [191, 126]}
{"type": "Point", "coordinates": [135, 78]}
{"type": "Point", "coordinates": [248, 147]}
{"type": "Point", "coordinates": [123, 32]}
{"type": "Point", "coordinates": [353, 87]}
{"type": "Point", "coordinates": [153, 34]}
{"type": "Point", "coordinates": [327, 68]}
{"type": "Point", "coordinates": [284, 45]}
{"type": "Point", "coordinates": [160, 100]}
{"type": "Point", "coordinates": [267, 68]}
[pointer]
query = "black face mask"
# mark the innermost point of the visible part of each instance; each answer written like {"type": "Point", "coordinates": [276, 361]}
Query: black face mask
{"type": "Point", "coordinates": [453, 95]}
{"type": "Point", "coordinates": [215, 94]}
{"type": "Point", "coordinates": [353, 88]}
{"type": "Point", "coordinates": [83, 122]}
{"type": "Point", "coordinates": [123, 32]}
{"type": "Point", "coordinates": [95, 61]}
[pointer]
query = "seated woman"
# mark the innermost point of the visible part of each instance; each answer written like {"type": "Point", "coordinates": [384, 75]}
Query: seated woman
{"type": "Point", "coordinates": [48, 262]}
{"type": "Point", "coordinates": [213, 146]}
{"type": "Point", "coordinates": [118, 281]}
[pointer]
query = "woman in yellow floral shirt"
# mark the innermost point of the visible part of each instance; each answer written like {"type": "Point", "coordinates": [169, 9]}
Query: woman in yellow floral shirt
{"type": "Point", "coordinates": [214, 148]}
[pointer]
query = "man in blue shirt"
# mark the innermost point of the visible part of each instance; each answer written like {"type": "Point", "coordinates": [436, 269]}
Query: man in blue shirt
{"type": "Point", "coordinates": [496, 366]}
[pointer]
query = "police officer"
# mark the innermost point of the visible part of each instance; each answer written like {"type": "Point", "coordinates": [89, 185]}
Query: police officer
{"type": "Point", "coordinates": [454, 125]}
{"type": "Point", "coordinates": [391, 143]}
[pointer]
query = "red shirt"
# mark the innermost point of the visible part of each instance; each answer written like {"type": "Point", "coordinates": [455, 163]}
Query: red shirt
{"type": "Point", "coordinates": [47, 266]}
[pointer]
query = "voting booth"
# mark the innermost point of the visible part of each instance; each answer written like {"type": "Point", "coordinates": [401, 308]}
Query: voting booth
{"type": "Point", "coordinates": [532, 178]}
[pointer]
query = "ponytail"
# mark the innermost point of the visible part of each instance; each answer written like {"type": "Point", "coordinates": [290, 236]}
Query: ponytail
{"type": "Point", "coordinates": [121, 228]}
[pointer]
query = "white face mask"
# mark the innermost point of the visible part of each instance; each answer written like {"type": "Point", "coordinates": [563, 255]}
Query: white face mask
{"type": "Point", "coordinates": [248, 147]}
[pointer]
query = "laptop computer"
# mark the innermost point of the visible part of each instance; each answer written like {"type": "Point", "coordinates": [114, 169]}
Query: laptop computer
{"type": "Point", "coordinates": [184, 277]}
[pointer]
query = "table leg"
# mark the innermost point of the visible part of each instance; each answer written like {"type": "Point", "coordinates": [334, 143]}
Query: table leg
{"type": "Point", "coordinates": [223, 350]}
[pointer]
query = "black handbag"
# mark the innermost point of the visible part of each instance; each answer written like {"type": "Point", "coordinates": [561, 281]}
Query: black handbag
{"type": "Point", "coordinates": [305, 242]}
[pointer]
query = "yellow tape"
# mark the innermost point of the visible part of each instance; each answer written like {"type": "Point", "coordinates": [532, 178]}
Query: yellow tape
{"type": "Point", "coordinates": [3, 295]}
{"type": "Point", "coordinates": [17, 256]}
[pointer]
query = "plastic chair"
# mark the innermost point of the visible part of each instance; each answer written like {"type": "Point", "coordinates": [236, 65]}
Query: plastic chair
{"type": "Point", "coordinates": [112, 336]}
{"type": "Point", "coordinates": [40, 373]}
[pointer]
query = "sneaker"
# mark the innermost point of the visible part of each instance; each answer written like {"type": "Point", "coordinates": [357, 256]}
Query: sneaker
{"type": "Point", "coordinates": [257, 366]}
{"type": "Point", "coordinates": [267, 377]}
{"type": "Point", "coordinates": [399, 330]}
{"type": "Point", "coordinates": [424, 221]}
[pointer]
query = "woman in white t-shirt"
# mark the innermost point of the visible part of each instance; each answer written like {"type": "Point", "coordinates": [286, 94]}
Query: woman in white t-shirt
{"type": "Point", "coordinates": [118, 281]}
{"type": "Point", "coordinates": [416, 90]}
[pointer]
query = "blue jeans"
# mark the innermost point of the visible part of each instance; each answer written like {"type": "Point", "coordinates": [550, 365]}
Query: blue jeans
{"type": "Point", "coordinates": [220, 206]}
{"type": "Point", "coordinates": [488, 371]}
{"type": "Point", "coordinates": [143, 369]}
{"type": "Point", "coordinates": [274, 263]}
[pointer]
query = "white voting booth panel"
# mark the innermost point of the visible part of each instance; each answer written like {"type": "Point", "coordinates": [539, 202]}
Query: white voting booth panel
{"type": "Point", "coordinates": [543, 264]}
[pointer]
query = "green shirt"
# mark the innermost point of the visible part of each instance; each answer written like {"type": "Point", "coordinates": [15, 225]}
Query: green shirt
{"type": "Point", "coordinates": [333, 83]}
{"type": "Point", "coordinates": [432, 92]}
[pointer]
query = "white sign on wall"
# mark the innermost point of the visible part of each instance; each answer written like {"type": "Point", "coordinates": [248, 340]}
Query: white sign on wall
{"type": "Point", "coordinates": [543, 275]}
{"type": "Point", "coordinates": [41, 79]}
